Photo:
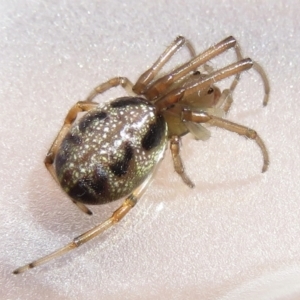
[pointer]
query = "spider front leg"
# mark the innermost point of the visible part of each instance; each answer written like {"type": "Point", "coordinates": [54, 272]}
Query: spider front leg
{"type": "Point", "coordinates": [126, 206]}
{"type": "Point", "coordinates": [149, 75]}
{"type": "Point", "coordinates": [156, 88]}
{"type": "Point", "coordinates": [178, 165]}
{"type": "Point", "coordinates": [177, 94]}
{"type": "Point", "coordinates": [204, 83]}
{"type": "Point", "coordinates": [203, 117]}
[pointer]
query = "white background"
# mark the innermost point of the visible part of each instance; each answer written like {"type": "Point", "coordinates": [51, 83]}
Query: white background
{"type": "Point", "coordinates": [235, 236]}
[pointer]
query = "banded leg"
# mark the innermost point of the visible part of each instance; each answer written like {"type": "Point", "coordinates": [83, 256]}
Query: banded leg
{"type": "Point", "coordinates": [203, 117]}
{"type": "Point", "coordinates": [149, 75]}
{"type": "Point", "coordinates": [69, 120]}
{"type": "Point", "coordinates": [127, 205]}
{"type": "Point", "coordinates": [177, 161]}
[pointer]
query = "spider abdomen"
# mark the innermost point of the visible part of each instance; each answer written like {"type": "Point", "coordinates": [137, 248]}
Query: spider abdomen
{"type": "Point", "coordinates": [111, 150]}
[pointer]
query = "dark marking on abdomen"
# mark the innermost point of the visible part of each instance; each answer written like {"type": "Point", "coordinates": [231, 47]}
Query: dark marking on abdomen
{"type": "Point", "coordinates": [87, 120]}
{"type": "Point", "coordinates": [72, 139]}
{"type": "Point", "coordinates": [120, 167]}
{"type": "Point", "coordinates": [92, 189]}
{"type": "Point", "coordinates": [100, 181]}
{"type": "Point", "coordinates": [66, 146]}
{"type": "Point", "coordinates": [155, 133]}
{"type": "Point", "coordinates": [125, 101]}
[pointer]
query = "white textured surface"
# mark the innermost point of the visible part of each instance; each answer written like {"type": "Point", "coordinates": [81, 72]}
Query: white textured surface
{"type": "Point", "coordinates": [235, 236]}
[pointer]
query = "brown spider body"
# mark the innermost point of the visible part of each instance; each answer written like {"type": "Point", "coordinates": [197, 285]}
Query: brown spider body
{"type": "Point", "coordinates": [114, 147]}
{"type": "Point", "coordinates": [112, 150]}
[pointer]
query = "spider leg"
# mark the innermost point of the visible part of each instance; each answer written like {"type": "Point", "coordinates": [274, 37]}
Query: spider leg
{"type": "Point", "coordinates": [162, 84]}
{"type": "Point", "coordinates": [264, 77]}
{"type": "Point", "coordinates": [126, 206]}
{"type": "Point", "coordinates": [203, 117]}
{"type": "Point", "coordinates": [114, 82]}
{"type": "Point", "coordinates": [177, 161]}
{"type": "Point", "coordinates": [158, 87]}
{"type": "Point", "coordinates": [150, 74]}
{"type": "Point", "coordinates": [177, 94]}
{"type": "Point", "coordinates": [226, 96]}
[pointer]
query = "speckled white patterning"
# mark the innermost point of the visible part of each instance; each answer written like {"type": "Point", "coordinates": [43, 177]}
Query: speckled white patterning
{"type": "Point", "coordinates": [236, 235]}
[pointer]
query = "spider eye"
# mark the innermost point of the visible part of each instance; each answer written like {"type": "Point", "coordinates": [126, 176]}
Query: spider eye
{"type": "Point", "coordinates": [211, 90]}
{"type": "Point", "coordinates": [196, 73]}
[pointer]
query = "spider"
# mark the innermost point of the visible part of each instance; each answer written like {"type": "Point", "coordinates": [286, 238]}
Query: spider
{"type": "Point", "coordinates": [111, 152]}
